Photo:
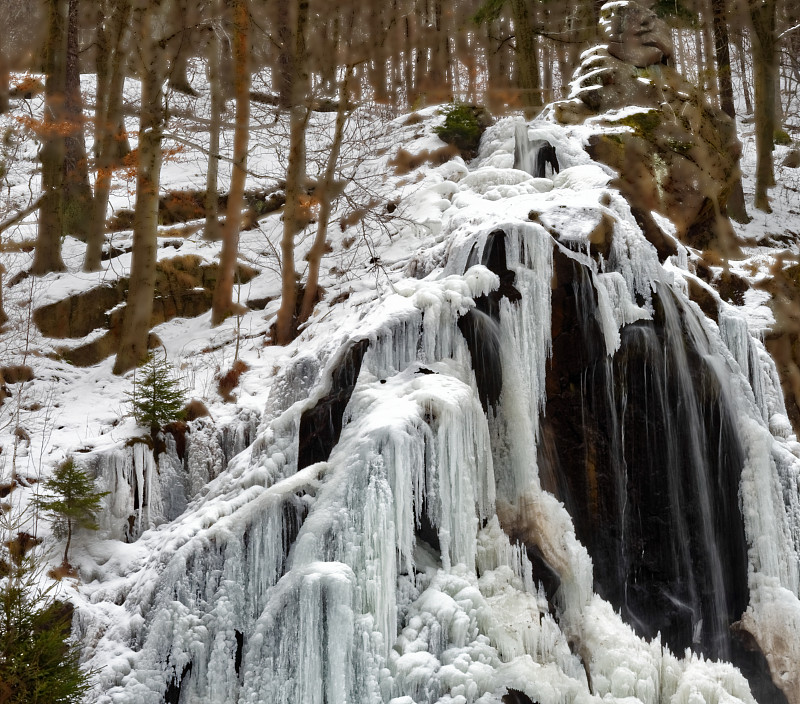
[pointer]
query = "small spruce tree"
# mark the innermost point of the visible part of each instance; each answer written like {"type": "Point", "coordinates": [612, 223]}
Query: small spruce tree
{"type": "Point", "coordinates": [157, 398]}
{"type": "Point", "coordinates": [71, 502]}
{"type": "Point", "coordinates": [38, 664]}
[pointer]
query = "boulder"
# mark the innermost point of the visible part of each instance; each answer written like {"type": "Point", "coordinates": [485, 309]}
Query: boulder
{"type": "Point", "coordinates": [675, 153]}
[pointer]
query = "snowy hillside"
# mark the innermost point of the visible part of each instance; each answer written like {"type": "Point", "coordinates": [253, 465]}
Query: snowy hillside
{"type": "Point", "coordinates": [372, 515]}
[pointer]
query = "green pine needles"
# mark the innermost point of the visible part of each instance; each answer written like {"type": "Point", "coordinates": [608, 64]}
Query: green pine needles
{"type": "Point", "coordinates": [462, 127]}
{"type": "Point", "coordinates": [70, 502]}
{"type": "Point", "coordinates": [157, 397]}
{"type": "Point", "coordinates": [38, 664]}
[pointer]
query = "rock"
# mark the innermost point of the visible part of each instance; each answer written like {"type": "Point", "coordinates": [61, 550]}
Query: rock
{"type": "Point", "coordinates": [792, 159]}
{"type": "Point", "coordinates": [184, 288]}
{"type": "Point", "coordinates": [635, 34]}
{"type": "Point", "coordinates": [675, 153]}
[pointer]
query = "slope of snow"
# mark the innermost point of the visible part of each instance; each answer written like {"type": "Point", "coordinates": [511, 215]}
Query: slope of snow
{"type": "Point", "coordinates": [251, 581]}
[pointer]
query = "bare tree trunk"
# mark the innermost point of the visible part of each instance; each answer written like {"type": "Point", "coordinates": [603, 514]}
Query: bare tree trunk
{"type": "Point", "coordinates": [110, 82]}
{"type": "Point", "coordinates": [222, 304]}
{"type": "Point", "coordinates": [547, 78]}
{"type": "Point", "coordinates": [3, 316]}
{"type": "Point", "coordinates": [681, 52]}
{"type": "Point", "coordinates": [712, 93]}
{"type": "Point", "coordinates": [765, 71]}
{"type": "Point", "coordinates": [527, 58]}
{"type": "Point", "coordinates": [283, 69]}
{"type": "Point", "coordinates": [377, 64]}
{"type": "Point", "coordinates": [139, 304]}
{"type": "Point", "coordinates": [408, 61]}
{"type": "Point", "coordinates": [47, 257]}
{"type": "Point", "coordinates": [77, 196]}
{"type": "Point", "coordinates": [702, 77]}
{"type": "Point", "coordinates": [285, 325]}
{"type": "Point", "coordinates": [212, 229]}
{"type": "Point", "coordinates": [738, 41]}
{"type": "Point", "coordinates": [4, 82]}
{"type": "Point", "coordinates": [325, 190]}
{"type": "Point", "coordinates": [719, 9]}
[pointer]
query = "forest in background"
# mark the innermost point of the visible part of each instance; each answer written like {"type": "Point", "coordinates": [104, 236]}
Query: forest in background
{"type": "Point", "coordinates": [302, 56]}
{"type": "Point", "coordinates": [270, 70]}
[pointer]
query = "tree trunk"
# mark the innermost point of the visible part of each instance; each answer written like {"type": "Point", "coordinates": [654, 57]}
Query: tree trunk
{"type": "Point", "coordinates": [712, 93]}
{"type": "Point", "coordinates": [77, 196]}
{"type": "Point", "coordinates": [108, 117]}
{"type": "Point", "coordinates": [47, 257]}
{"type": "Point", "coordinates": [719, 9]}
{"type": "Point", "coordinates": [285, 325]}
{"type": "Point", "coordinates": [4, 82]}
{"type": "Point", "coordinates": [69, 540]}
{"type": "Point", "coordinates": [139, 304]}
{"type": "Point", "coordinates": [702, 78]}
{"type": "Point", "coordinates": [527, 59]}
{"type": "Point", "coordinates": [325, 189]}
{"type": "Point", "coordinates": [738, 41]}
{"type": "Point", "coordinates": [222, 305]}
{"type": "Point", "coordinates": [212, 230]}
{"type": "Point", "coordinates": [3, 316]}
{"type": "Point", "coordinates": [283, 69]}
{"type": "Point", "coordinates": [765, 71]}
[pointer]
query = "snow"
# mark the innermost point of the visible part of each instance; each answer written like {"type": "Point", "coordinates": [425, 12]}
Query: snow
{"type": "Point", "coordinates": [387, 572]}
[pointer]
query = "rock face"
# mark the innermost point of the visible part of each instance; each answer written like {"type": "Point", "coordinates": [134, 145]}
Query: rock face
{"type": "Point", "coordinates": [184, 287]}
{"type": "Point", "coordinates": [675, 153]}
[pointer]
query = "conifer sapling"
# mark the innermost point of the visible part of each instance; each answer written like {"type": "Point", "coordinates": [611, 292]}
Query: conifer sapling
{"type": "Point", "coordinates": [157, 398]}
{"type": "Point", "coordinates": [70, 502]}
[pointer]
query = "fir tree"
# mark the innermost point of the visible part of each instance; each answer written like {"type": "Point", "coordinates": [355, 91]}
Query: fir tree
{"type": "Point", "coordinates": [157, 398]}
{"type": "Point", "coordinates": [71, 502]}
{"type": "Point", "coordinates": [38, 663]}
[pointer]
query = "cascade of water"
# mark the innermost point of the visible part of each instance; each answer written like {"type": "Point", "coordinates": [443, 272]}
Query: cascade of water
{"type": "Point", "coordinates": [652, 482]}
{"type": "Point", "coordinates": [537, 157]}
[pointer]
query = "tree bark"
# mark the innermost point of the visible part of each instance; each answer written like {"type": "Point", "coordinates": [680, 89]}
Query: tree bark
{"type": "Point", "coordinates": [325, 197]}
{"type": "Point", "coordinates": [108, 117]}
{"type": "Point", "coordinates": [212, 230]}
{"type": "Point", "coordinates": [222, 304]}
{"type": "Point", "coordinates": [139, 304]}
{"type": "Point", "coordinates": [765, 71]}
{"type": "Point", "coordinates": [3, 316]}
{"type": "Point", "coordinates": [77, 196]}
{"type": "Point", "coordinates": [719, 9]}
{"type": "Point", "coordinates": [47, 256]}
{"type": "Point", "coordinates": [285, 325]}
{"type": "Point", "coordinates": [738, 41]}
{"type": "Point", "coordinates": [527, 59]}
{"type": "Point", "coordinates": [4, 82]}
{"type": "Point", "coordinates": [709, 49]}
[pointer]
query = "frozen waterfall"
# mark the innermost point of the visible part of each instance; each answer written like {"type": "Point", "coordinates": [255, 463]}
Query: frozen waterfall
{"type": "Point", "coordinates": [536, 468]}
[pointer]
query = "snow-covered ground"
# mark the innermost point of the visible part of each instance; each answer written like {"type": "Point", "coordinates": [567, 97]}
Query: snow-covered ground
{"type": "Point", "coordinates": [357, 611]}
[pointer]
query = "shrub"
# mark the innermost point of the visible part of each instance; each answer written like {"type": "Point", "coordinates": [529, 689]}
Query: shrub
{"type": "Point", "coordinates": [782, 138]}
{"type": "Point", "coordinates": [157, 397]}
{"type": "Point", "coordinates": [463, 127]}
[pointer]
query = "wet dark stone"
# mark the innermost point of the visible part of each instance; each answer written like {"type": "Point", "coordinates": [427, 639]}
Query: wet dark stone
{"type": "Point", "coordinates": [321, 426]}
{"type": "Point", "coordinates": [619, 449]}
{"type": "Point", "coordinates": [479, 325]}
{"type": "Point", "coordinates": [543, 573]}
{"type": "Point", "coordinates": [514, 696]}
{"type": "Point", "coordinates": [173, 693]}
{"type": "Point", "coordinates": [237, 663]}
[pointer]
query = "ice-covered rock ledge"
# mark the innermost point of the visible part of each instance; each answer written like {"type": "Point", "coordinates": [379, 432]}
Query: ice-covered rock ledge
{"type": "Point", "coordinates": [417, 546]}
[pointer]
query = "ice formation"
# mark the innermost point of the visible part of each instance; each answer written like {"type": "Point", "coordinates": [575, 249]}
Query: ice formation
{"type": "Point", "coordinates": [404, 563]}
